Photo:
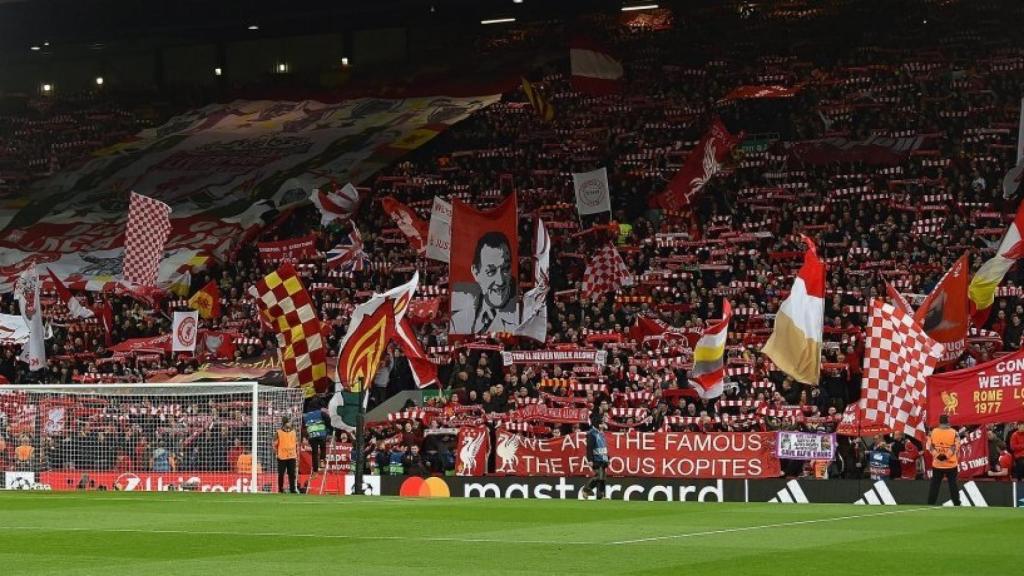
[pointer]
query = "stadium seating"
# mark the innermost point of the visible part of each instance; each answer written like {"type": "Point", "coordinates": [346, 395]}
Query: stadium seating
{"type": "Point", "coordinates": [952, 93]}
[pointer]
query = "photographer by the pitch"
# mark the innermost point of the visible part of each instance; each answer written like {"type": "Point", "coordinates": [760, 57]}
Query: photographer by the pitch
{"type": "Point", "coordinates": [944, 445]}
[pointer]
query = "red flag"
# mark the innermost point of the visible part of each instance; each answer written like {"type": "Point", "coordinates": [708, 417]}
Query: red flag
{"type": "Point", "coordinates": [424, 371]}
{"type": "Point", "coordinates": [219, 344]}
{"type": "Point", "coordinates": [646, 327]}
{"type": "Point", "coordinates": [76, 308]}
{"type": "Point", "coordinates": [944, 314]}
{"type": "Point", "coordinates": [414, 227]}
{"type": "Point", "coordinates": [703, 162]}
{"type": "Point", "coordinates": [105, 314]}
{"type": "Point", "coordinates": [472, 451]}
{"type": "Point", "coordinates": [897, 299]}
{"type": "Point", "coordinates": [484, 268]}
{"type": "Point", "coordinates": [423, 310]}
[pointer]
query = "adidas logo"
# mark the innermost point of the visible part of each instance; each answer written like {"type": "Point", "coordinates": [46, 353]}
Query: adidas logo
{"type": "Point", "coordinates": [970, 496]}
{"type": "Point", "coordinates": [791, 494]}
{"type": "Point", "coordinates": [878, 495]}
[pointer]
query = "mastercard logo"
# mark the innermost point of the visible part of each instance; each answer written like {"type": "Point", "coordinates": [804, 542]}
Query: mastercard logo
{"type": "Point", "coordinates": [417, 487]}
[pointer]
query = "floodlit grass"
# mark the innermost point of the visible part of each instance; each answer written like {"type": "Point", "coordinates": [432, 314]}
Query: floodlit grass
{"type": "Point", "coordinates": [183, 534]}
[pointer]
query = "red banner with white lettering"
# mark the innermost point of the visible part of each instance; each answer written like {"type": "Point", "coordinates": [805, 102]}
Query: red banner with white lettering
{"type": "Point", "coordinates": [760, 92]}
{"type": "Point", "coordinates": [471, 453]}
{"type": "Point", "coordinates": [557, 415]}
{"type": "Point", "coordinates": [648, 454]}
{"type": "Point", "coordinates": [988, 393]}
{"type": "Point", "coordinates": [292, 250]}
{"type": "Point", "coordinates": [973, 455]}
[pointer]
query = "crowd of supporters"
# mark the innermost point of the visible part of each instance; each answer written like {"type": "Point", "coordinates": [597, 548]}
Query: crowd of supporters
{"type": "Point", "coordinates": [953, 80]}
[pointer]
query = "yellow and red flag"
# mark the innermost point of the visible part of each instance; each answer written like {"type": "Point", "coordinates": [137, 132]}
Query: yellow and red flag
{"type": "Point", "coordinates": [206, 301]}
{"type": "Point", "coordinates": [286, 307]}
{"type": "Point", "coordinates": [370, 331]}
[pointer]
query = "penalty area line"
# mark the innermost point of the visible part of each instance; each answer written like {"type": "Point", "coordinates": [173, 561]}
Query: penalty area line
{"type": "Point", "coordinates": [767, 526]}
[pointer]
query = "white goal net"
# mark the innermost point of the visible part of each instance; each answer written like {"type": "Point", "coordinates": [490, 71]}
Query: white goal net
{"type": "Point", "coordinates": [139, 437]}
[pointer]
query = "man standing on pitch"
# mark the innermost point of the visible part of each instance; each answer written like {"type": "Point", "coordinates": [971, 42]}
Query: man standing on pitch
{"type": "Point", "coordinates": [944, 446]}
{"type": "Point", "coordinates": [286, 447]}
{"type": "Point", "coordinates": [597, 453]}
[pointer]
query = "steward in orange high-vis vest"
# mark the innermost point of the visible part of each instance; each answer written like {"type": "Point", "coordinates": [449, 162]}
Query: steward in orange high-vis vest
{"type": "Point", "coordinates": [944, 444]}
{"type": "Point", "coordinates": [286, 445]}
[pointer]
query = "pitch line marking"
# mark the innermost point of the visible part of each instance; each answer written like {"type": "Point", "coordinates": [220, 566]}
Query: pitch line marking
{"type": "Point", "coordinates": [552, 542]}
{"type": "Point", "coordinates": [766, 526]}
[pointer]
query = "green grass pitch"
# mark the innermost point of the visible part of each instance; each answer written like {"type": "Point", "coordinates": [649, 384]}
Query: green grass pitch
{"type": "Point", "coordinates": [181, 534]}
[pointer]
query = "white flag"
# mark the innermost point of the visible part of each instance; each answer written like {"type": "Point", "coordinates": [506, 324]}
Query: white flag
{"type": "Point", "coordinates": [338, 205]}
{"type": "Point", "coordinates": [26, 291]}
{"type": "Point", "coordinates": [535, 302]}
{"type": "Point", "coordinates": [183, 333]}
{"type": "Point", "coordinates": [439, 236]}
{"type": "Point", "coordinates": [592, 192]}
{"type": "Point", "coordinates": [13, 329]}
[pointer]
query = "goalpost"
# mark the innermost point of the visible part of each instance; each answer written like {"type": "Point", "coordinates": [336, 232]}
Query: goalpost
{"type": "Point", "coordinates": [214, 437]}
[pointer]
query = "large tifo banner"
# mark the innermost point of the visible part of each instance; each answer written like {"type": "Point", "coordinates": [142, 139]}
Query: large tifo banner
{"type": "Point", "coordinates": [649, 454]}
{"type": "Point", "coordinates": [987, 393]}
{"type": "Point", "coordinates": [221, 168]}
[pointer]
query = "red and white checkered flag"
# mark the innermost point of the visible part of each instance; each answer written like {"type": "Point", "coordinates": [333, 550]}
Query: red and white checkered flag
{"type": "Point", "coordinates": [606, 272]}
{"type": "Point", "coordinates": [898, 357]}
{"type": "Point", "coordinates": [149, 224]}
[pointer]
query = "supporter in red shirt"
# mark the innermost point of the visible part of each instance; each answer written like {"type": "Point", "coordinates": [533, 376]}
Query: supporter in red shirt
{"type": "Point", "coordinates": [233, 453]}
{"type": "Point", "coordinates": [1017, 449]}
{"type": "Point", "coordinates": [908, 460]}
{"type": "Point", "coordinates": [1003, 469]}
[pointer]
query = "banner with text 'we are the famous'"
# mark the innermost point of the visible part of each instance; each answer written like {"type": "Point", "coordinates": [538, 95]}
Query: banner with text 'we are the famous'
{"type": "Point", "coordinates": [644, 454]}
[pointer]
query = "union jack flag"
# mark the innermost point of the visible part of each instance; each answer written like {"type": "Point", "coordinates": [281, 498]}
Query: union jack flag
{"type": "Point", "coordinates": [349, 253]}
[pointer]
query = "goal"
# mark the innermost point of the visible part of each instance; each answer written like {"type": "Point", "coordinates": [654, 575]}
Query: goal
{"type": "Point", "coordinates": [138, 437]}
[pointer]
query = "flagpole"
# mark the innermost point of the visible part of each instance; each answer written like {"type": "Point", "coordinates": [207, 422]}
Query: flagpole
{"type": "Point", "coordinates": [357, 485]}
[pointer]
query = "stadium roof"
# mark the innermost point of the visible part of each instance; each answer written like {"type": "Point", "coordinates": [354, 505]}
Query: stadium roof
{"type": "Point", "coordinates": [29, 22]}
